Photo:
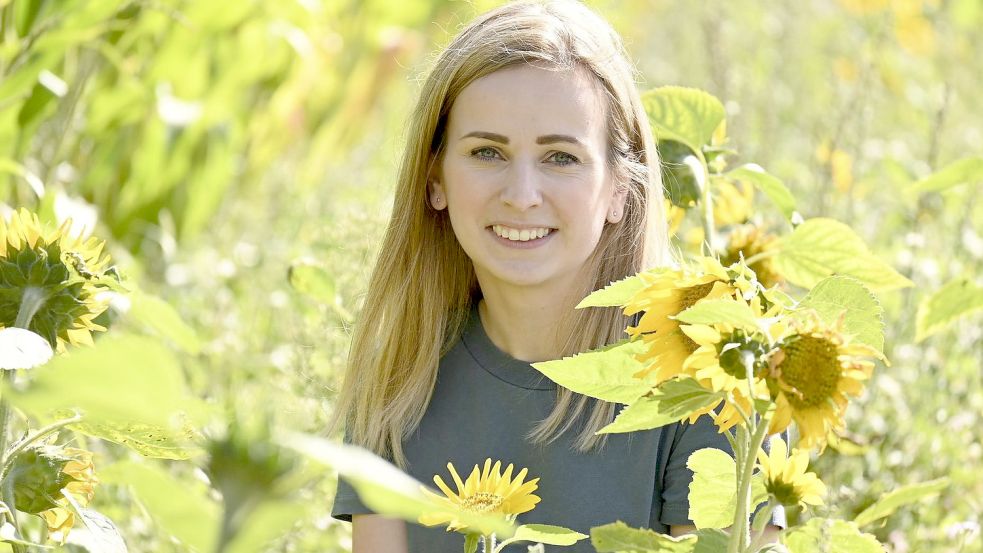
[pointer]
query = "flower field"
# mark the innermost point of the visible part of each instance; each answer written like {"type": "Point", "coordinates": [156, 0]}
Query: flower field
{"type": "Point", "coordinates": [192, 195]}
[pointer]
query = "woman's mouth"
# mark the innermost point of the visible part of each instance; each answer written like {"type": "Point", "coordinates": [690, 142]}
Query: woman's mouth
{"type": "Point", "coordinates": [523, 238]}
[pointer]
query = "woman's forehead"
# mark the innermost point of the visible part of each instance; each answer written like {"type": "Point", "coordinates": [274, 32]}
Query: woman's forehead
{"type": "Point", "coordinates": [526, 100]}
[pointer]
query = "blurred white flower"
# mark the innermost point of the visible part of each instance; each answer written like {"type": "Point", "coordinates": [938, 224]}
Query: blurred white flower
{"type": "Point", "coordinates": [84, 215]}
{"type": "Point", "coordinates": [175, 111]}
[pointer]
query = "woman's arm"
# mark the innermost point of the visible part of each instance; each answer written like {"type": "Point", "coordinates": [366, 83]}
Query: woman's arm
{"type": "Point", "coordinates": [378, 534]}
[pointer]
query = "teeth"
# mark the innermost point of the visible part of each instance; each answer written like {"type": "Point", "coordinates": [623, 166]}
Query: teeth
{"type": "Point", "coordinates": [520, 235]}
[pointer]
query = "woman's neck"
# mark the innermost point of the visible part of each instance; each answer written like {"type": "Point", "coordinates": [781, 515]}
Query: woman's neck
{"type": "Point", "coordinates": [524, 326]}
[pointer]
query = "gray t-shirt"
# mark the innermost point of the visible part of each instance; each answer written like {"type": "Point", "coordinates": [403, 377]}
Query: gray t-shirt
{"type": "Point", "coordinates": [484, 404]}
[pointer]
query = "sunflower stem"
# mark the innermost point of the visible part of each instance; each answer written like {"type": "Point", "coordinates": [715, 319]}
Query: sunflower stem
{"type": "Point", "coordinates": [32, 301]}
{"type": "Point", "coordinates": [8, 457]}
{"type": "Point", "coordinates": [740, 537]}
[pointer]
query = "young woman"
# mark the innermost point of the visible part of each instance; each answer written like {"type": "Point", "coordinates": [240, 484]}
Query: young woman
{"type": "Point", "coordinates": [530, 179]}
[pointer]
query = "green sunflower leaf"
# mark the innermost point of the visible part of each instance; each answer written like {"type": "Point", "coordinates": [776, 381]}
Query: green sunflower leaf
{"type": "Point", "coordinates": [713, 491]}
{"type": "Point", "coordinates": [956, 299]}
{"type": "Point", "coordinates": [822, 247]}
{"type": "Point", "coordinates": [829, 536]}
{"type": "Point", "coordinates": [384, 488]}
{"type": "Point", "coordinates": [688, 115]}
{"type": "Point", "coordinates": [616, 294]}
{"type": "Point", "coordinates": [772, 187]}
{"type": "Point", "coordinates": [968, 170]}
{"type": "Point", "coordinates": [708, 312]}
{"type": "Point", "coordinates": [146, 439]}
{"type": "Point", "coordinates": [606, 373]}
{"type": "Point", "coordinates": [672, 401]}
{"type": "Point", "coordinates": [905, 495]}
{"type": "Point", "coordinates": [123, 378]}
{"type": "Point", "coordinates": [618, 537]}
{"type": "Point", "coordinates": [182, 508]}
{"type": "Point", "coordinates": [162, 319]}
{"type": "Point", "coordinates": [545, 534]}
{"type": "Point", "coordinates": [862, 314]}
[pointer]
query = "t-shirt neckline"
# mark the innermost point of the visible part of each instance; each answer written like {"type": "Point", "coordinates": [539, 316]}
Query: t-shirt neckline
{"type": "Point", "coordinates": [498, 363]}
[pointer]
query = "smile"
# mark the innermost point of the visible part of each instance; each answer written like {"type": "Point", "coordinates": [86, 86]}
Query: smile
{"type": "Point", "coordinates": [523, 235]}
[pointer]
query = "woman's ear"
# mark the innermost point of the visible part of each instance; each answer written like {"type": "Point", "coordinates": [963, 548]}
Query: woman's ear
{"type": "Point", "coordinates": [438, 198]}
{"type": "Point", "coordinates": [616, 212]}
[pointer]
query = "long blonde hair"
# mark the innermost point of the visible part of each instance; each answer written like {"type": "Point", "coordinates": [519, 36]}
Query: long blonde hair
{"type": "Point", "coordinates": [423, 285]}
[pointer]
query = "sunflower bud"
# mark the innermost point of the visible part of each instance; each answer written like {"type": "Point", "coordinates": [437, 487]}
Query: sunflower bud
{"type": "Point", "coordinates": [40, 473]}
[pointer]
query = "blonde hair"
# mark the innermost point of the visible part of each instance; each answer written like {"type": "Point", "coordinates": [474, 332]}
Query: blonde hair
{"type": "Point", "coordinates": [422, 288]}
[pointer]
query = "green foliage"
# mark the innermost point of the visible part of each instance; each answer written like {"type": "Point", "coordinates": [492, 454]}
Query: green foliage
{"type": "Point", "coordinates": [713, 492]}
{"type": "Point", "coordinates": [686, 115]}
{"type": "Point", "coordinates": [384, 488]}
{"type": "Point", "coordinates": [606, 373]}
{"type": "Point", "coordinates": [616, 293]}
{"type": "Point", "coordinates": [771, 185]}
{"type": "Point", "coordinates": [180, 506]}
{"type": "Point", "coordinates": [124, 378]}
{"type": "Point", "coordinates": [822, 247]}
{"type": "Point", "coordinates": [160, 318]}
{"type": "Point", "coordinates": [839, 296]}
{"type": "Point", "coordinates": [672, 401]}
{"type": "Point", "coordinates": [958, 298]}
{"type": "Point", "coordinates": [618, 537]}
{"type": "Point", "coordinates": [895, 499]}
{"type": "Point", "coordinates": [544, 534]}
{"type": "Point", "coordinates": [821, 535]}
{"type": "Point", "coordinates": [148, 440]}
{"type": "Point", "coordinates": [968, 170]}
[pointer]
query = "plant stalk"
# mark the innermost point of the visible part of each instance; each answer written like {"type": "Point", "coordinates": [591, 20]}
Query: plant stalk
{"type": "Point", "coordinates": [740, 536]}
{"type": "Point", "coordinates": [32, 301]}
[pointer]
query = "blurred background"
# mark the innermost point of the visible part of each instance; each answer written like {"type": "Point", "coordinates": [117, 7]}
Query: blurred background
{"type": "Point", "coordinates": [239, 156]}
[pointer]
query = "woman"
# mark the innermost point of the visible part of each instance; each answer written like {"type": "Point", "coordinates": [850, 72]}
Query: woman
{"type": "Point", "coordinates": [529, 179]}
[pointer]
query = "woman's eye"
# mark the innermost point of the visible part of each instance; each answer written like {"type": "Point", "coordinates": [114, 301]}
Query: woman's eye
{"type": "Point", "coordinates": [485, 153]}
{"type": "Point", "coordinates": [563, 159]}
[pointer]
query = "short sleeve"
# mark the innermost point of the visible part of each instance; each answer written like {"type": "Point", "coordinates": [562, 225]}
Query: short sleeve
{"type": "Point", "coordinates": [346, 501]}
{"type": "Point", "coordinates": [677, 477]}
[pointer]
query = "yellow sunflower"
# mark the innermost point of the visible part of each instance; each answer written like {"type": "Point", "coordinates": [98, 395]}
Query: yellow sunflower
{"type": "Point", "coordinates": [41, 473]}
{"type": "Point", "coordinates": [667, 293]}
{"type": "Point", "coordinates": [52, 274]}
{"type": "Point", "coordinates": [786, 478]}
{"type": "Point", "coordinates": [749, 240]}
{"type": "Point", "coordinates": [486, 492]}
{"type": "Point", "coordinates": [732, 201]}
{"type": "Point", "coordinates": [812, 374]}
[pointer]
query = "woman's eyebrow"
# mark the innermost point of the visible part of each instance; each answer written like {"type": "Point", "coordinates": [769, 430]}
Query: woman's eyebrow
{"type": "Point", "coordinates": [553, 138]}
{"type": "Point", "coordinates": [546, 139]}
{"type": "Point", "coordinates": [494, 137]}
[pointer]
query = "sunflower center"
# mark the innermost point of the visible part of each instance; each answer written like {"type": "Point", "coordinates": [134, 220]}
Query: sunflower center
{"type": "Point", "coordinates": [693, 294]}
{"type": "Point", "coordinates": [482, 502]}
{"type": "Point", "coordinates": [811, 369]}
{"type": "Point", "coordinates": [785, 492]}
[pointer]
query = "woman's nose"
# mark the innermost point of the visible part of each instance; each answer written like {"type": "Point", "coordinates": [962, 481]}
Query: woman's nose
{"type": "Point", "coordinates": [522, 189]}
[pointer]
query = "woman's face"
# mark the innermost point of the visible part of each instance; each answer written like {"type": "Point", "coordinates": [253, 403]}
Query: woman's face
{"type": "Point", "coordinates": [525, 176]}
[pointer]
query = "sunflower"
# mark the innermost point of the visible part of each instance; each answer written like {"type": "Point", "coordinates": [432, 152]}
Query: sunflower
{"type": "Point", "coordinates": [674, 216]}
{"type": "Point", "coordinates": [812, 374]}
{"type": "Point", "coordinates": [749, 240]}
{"type": "Point", "coordinates": [667, 293]}
{"type": "Point", "coordinates": [732, 201]}
{"type": "Point", "coordinates": [486, 492]}
{"type": "Point", "coordinates": [786, 478]}
{"type": "Point", "coordinates": [40, 474]}
{"type": "Point", "coordinates": [53, 274]}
